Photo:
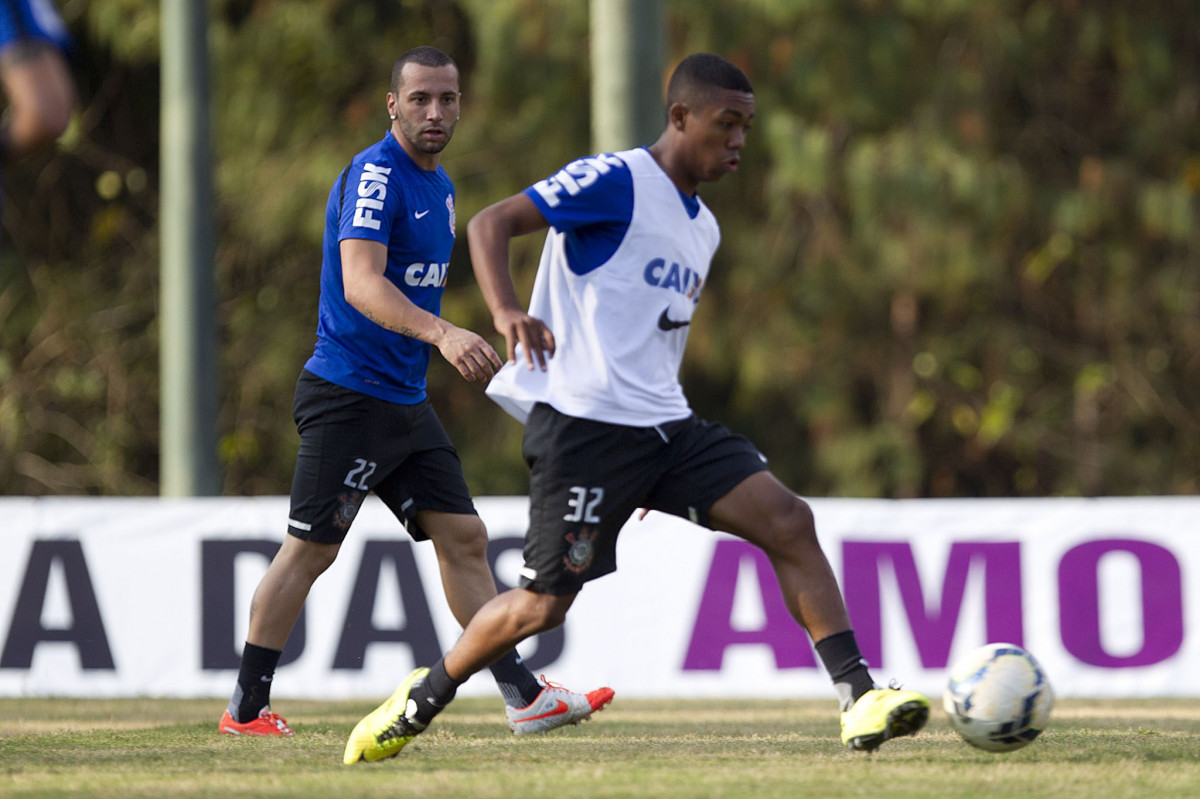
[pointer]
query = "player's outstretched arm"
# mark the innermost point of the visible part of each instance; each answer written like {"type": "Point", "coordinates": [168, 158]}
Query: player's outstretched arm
{"type": "Point", "coordinates": [488, 235]}
{"type": "Point", "coordinates": [41, 97]}
{"type": "Point", "coordinates": [377, 298]}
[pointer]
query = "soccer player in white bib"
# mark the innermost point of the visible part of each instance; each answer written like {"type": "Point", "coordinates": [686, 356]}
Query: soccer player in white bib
{"type": "Point", "coordinates": [365, 422]}
{"type": "Point", "coordinates": [592, 371]}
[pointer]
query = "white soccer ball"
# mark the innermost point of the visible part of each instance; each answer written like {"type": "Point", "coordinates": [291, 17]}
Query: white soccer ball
{"type": "Point", "coordinates": [998, 698]}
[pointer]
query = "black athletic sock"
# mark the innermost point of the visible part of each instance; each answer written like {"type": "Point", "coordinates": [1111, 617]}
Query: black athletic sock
{"type": "Point", "coordinates": [253, 691]}
{"type": "Point", "coordinates": [516, 682]}
{"type": "Point", "coordinates": [435, 692]}
{"type": "Point", "coordinates": [846, 666]}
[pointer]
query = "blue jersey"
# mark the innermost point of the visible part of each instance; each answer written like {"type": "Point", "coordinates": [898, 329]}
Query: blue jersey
{"type": "Point", "coordinates": [383, 196]}
{"type": "Point", "coordinates": [31, 19]}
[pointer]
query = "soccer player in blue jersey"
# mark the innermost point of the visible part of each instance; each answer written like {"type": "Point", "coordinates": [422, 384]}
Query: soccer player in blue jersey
{"type": "Point", "coordinates": [36, 79]}
{"type": "Point", "coordinates": [365, 422]}
{"type": "Point", "coordinates": [593, 372]}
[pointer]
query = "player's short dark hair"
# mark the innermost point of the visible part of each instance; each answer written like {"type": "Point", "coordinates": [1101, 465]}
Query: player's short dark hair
{"type": "Point", "coordinates": [698, 75]}
{"type": "Point", "coordinates": [424, 56]}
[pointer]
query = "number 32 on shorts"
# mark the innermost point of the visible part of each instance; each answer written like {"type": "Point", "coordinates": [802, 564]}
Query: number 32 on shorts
{"type": "Point", "coordinates": [583, 503]}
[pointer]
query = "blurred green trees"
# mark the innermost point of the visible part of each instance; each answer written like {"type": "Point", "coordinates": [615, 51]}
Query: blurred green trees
{"type": "Point", "coordinates": [960, 258]}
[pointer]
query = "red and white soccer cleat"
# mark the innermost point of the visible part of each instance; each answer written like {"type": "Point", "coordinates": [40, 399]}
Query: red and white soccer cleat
{"type": "Point", "coordinates": [556, 707]}
{"type": "Point", "coordinates": [267, 723]}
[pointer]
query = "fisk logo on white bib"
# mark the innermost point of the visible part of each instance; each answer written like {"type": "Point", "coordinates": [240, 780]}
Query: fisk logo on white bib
{"type": "Point", "coordinates": [576, 176]}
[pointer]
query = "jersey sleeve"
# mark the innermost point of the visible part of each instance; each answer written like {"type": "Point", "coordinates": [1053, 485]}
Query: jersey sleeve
{"type": "Point", "coordinates": [590, 191]}
{"type": "Point", "coordinates": [370, 201]}
{"type": "Point", "coordinates": [33, 19]}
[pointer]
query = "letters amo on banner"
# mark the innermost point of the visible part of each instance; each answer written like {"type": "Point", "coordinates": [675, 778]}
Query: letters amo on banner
{"type": "Point", "coordinates": [933, 632]}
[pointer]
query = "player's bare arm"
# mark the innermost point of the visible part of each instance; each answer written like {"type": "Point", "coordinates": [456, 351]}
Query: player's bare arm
{"type": "Point", "coordinates": [488, 235]}
{"type": "Point", "coordinates": [41, 95]}
{"type": "Point", "coordinates": [377, 298]}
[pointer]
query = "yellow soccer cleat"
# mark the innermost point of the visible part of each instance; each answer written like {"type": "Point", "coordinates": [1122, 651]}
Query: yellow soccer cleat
{"type": "Point", "coordinates": [387, 729]}
{"type": "Point", "coordinates": [882, 714]}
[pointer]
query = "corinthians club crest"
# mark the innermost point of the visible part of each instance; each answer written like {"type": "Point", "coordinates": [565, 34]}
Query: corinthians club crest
{"type": "Point", "coordinates": [344, 515]}
{"type": "Point", "coordinates": [581, 550]}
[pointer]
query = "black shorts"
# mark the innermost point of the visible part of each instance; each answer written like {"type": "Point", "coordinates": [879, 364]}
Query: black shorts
{"type": "Point", "coordinates": [587, 478]}
{"type": "Point", "coordinates": [351, 443]}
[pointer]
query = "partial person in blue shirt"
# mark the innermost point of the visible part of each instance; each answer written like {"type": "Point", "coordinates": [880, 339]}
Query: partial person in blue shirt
{"type": "Point", "coordinates": [365, 422]}
{"type": "Point", "coordinates": [37, 81]}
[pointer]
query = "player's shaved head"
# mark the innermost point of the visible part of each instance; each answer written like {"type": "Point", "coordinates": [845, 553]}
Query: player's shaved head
{"type": "Point", "coordinates": [699, 76]}
{"type": "Point", "coordinates": [424, 56]}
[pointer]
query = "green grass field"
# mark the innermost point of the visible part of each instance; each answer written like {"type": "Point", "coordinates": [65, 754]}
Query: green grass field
{"type": "Point", "coordinates": [635, 748]}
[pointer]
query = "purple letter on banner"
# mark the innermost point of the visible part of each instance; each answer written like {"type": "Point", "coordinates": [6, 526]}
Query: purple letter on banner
{"type": "Point", "coordinates": [713, 632]}
{"type": "Point", "coordinates": [932, 631]}
{"type": "Point", "coordinates": [1079, 603]}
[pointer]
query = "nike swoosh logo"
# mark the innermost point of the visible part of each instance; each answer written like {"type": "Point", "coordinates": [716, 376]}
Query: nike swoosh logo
{"type": "Point", "coordinates": [559, 709]}
{"type": "Point", "coordinates": [667, 323]}
{"type": "Point", "coordinates": [419, 214]}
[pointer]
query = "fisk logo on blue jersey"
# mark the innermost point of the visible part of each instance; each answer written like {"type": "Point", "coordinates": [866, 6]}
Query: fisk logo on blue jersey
{"type": "Point", "coordinates": [426, 274]}
{"type": "Point", "coordinates": [678, 278]}
{"type": "Point", "coordinates": [372, 191]}
{"type": "Point", "coordinates": [576, 176]}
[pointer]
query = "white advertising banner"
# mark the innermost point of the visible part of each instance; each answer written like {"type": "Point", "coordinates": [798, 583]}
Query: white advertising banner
{"type": "Point", "coordinates": [149, 597]}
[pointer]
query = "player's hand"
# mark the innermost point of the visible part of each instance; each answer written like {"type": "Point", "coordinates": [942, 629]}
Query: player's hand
{"type": "Point", "coordinates": [470, 354]}
{"type": "Point", "coordinates": [534, 337]}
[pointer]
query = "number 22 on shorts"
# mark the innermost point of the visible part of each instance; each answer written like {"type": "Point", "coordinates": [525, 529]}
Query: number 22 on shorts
{"type": "Point", "coordinates": [358, 476]}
